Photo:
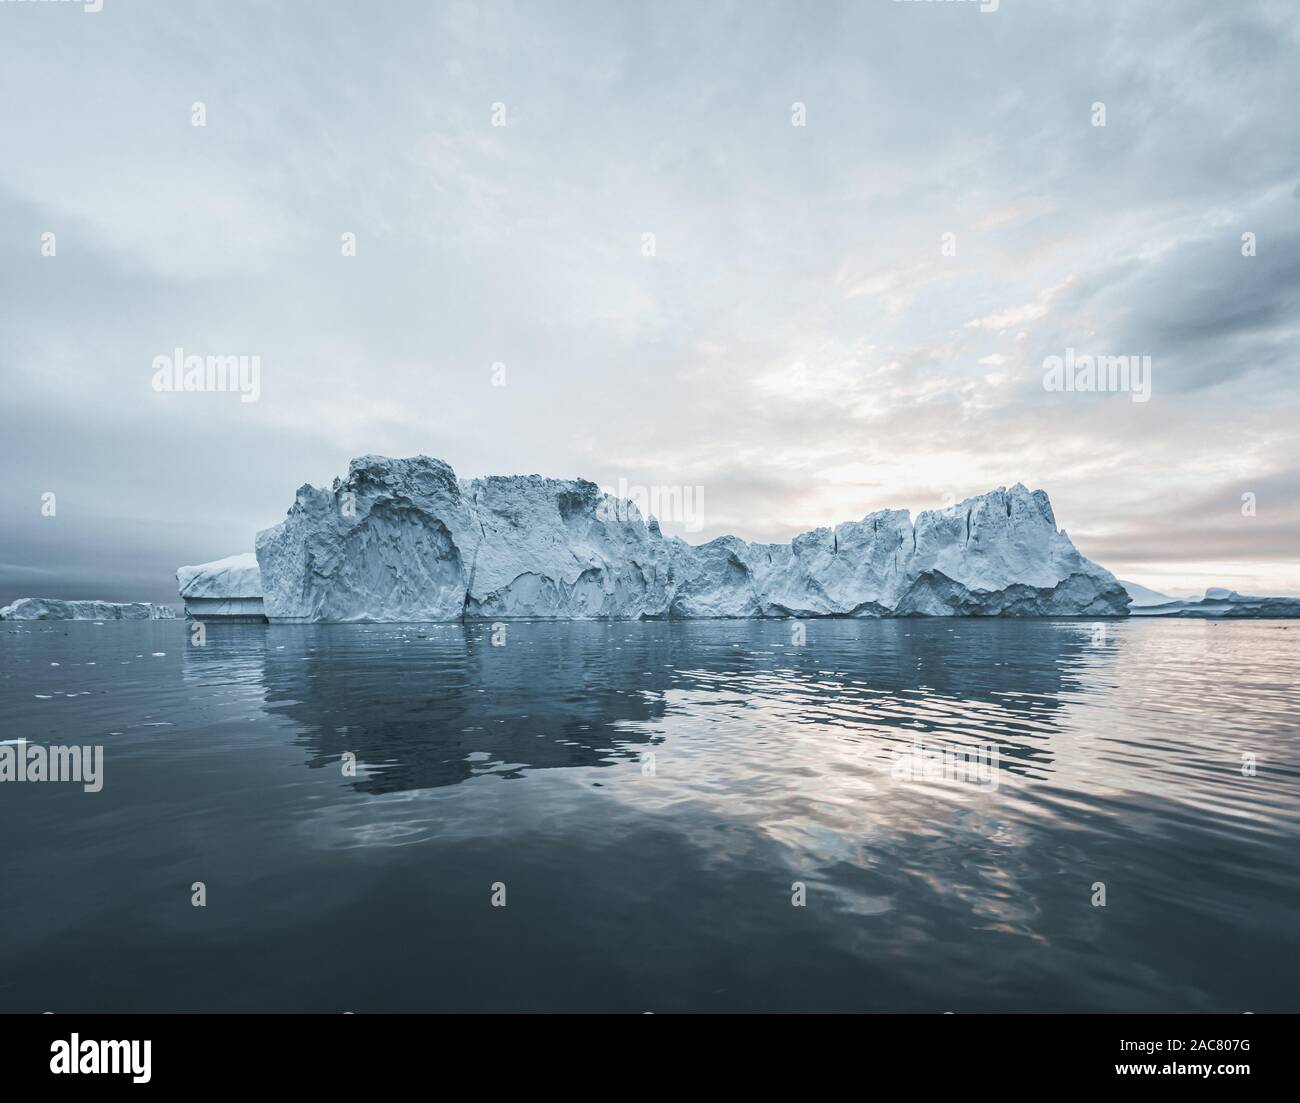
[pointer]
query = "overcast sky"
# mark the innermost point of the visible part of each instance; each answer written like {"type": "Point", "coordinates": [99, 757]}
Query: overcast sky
{"type": "Point", "coordinates": [799, 344]}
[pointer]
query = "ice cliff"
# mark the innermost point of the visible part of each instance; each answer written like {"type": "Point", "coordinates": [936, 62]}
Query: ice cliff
{"type": "Point", "coordinates": [405, 540]}
{"type": "Point", "coordinates": [49, 608]}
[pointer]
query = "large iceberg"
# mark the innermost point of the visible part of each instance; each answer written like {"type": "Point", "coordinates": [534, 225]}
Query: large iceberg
{"type": "Point", "coordinates": [405, 540]}
{"type": "Point", "coordinates": [225, 589]}
{"type": "Point", "coordinates": [51, 608]}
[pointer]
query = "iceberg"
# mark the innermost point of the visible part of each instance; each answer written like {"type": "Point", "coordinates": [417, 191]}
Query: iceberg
{"type": "Point", "coordinates": [406, 540]}
{"type": "Point", "coordinates": [1220, 603]}
{"type": "Point", "coordinates": [225, 589]}
{"type": "Point", "coordinates": [1143, 595]}
{"type": "Point", "coordinates": [50, 608]}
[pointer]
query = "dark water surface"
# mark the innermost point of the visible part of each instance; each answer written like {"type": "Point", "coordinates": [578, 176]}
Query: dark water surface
{"type": "Point", "coordinates": [648, 793]}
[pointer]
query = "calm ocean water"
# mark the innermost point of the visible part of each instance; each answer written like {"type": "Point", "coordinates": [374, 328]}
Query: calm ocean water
{"type": "Point", "coordinates": [648, 794]}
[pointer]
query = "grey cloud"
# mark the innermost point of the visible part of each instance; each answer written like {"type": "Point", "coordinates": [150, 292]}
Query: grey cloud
{"type": "Point", "coordinates": [521, 245]}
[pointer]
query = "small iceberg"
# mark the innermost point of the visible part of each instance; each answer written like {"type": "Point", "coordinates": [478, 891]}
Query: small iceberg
{"type": "Point", "coordinates": [227, 589]}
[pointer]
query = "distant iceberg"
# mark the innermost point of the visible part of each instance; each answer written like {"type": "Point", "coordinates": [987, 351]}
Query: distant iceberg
{"type": "Point", "coordinates": [1219, 603]}
{"type": "Point", "coordinates": [1143, 595]}
{"type": "Point", "coordinates": [405, 540]}
{"type": "Point", "coordinates": [49, 608]}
